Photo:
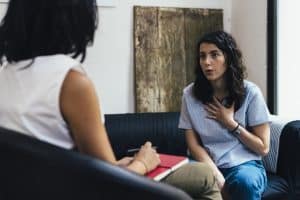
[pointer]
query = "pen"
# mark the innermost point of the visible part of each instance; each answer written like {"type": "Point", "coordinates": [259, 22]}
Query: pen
{"type": "Point", "coordinates": [137, 149]}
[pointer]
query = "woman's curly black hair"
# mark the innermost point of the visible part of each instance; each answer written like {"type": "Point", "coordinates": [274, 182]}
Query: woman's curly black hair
{"type": "Point", "coordinates": [235, 73]}
{"type": "Point", "coordinates": [34, 28]}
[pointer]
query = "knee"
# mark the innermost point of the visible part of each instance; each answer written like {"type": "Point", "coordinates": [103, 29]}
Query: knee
{"type": "Point", "coordinates": [202, 174]}
{"type": "Point", "coordinates": [246, 183]}
{"type": "Point", "coordinates": [200, 181]}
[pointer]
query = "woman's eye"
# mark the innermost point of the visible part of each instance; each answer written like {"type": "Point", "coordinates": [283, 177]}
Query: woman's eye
{"type": "Point", "coordinates": [202, 57]}
{"type": "Point", "coordinates": [214, 55]}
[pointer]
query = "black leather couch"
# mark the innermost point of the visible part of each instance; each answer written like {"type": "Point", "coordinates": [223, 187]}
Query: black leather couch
{"type": "Point", "coordinates": [132, 130]}
{"type": "Point", "coordinates": [35, 170]}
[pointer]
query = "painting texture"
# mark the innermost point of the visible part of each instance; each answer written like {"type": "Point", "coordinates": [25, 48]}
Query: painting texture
{"type": "Point", "coordinates": [165, 53]}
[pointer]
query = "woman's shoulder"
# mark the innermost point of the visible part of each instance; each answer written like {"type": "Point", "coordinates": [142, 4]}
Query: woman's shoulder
{"type": "Point", "coordinates": [188, 89]}
{"type": "Point", "coordinates": [58, 58]}
{"type": "Point", "coordinates": [252, 90]}
{"type": "Point", "coordinates": [59, 62]}
{"type": "Point", "coordinates": [251, 87]}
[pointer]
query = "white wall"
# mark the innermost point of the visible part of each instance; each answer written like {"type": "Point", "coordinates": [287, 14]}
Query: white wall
{"type": "Point", "coordinates": [288, 66]}
{"type": "Point", "coordinates": [249, 27]}
{"type": "Point", "coordinates": [109, 62]}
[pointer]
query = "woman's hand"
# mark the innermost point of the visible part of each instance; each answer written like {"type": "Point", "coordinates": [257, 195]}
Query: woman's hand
{"type": "Point", "coordinates": [220, 180]}
{"type": "Point", "coordinates": [222, 114]}
{"type": "Point", "coordinates": [124, 162]}
{"type": "Point", "coordinates": [148, 156]}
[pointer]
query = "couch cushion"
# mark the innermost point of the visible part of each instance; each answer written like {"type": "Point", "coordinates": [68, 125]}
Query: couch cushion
{"type": "Point", "coordinates": [276, 126]}
{"type": "Point", "coordinates": [277, 188]}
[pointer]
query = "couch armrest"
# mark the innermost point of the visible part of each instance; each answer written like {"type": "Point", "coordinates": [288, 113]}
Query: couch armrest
{"type": "Point", "coordinates": [288, 165]}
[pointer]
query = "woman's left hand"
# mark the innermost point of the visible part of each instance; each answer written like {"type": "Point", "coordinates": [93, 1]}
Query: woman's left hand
{"type": "Point", "coordinates": [123, 162]}
{"type": "Point", "coordinates": [220, 113]}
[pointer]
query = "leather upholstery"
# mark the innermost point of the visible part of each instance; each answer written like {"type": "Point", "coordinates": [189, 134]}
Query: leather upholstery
{"type": "Point", "coordinates": [288, 165]}
{"type": "Point", "coordinates": [132, 130]}
{"type": "Point", "coordinates": [31, 169]}
{"type": "Point", "coordinates": [277, 188]}
{"type": "Point", "coordinates": [35, 170]}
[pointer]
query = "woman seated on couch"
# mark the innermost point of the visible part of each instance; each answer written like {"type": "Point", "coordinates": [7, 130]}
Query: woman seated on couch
{"type": "Point", "coordinates": [46, 94]}
{"type": "Point", "coordinates": [226, 119]}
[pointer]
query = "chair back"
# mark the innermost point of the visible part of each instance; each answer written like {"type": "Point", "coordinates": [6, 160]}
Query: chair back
{"type": "Point", "coordinates": [32, 169]}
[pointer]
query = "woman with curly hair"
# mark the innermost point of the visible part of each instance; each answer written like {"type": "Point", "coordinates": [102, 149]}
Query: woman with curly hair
{"type": "Point", "coordinates": [226, 119]}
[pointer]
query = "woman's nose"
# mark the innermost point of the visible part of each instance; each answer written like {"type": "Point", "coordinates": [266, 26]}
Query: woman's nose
{"type": "Point", "coordinates": [206, 60]}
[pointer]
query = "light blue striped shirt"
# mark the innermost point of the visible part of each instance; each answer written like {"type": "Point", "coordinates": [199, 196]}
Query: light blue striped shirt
{"type": "Point", "coordinates": [225, 149]}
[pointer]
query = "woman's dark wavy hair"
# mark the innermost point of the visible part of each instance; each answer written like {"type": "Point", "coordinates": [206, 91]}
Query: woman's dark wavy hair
{"type": "Point", "coordinates": [34, 28]}
{"type": "Point", "coordinates": [235, 73]}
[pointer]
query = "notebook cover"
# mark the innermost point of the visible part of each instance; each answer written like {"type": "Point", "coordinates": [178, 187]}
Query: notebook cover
{"type": "Point", "coordinates": [168, 164]}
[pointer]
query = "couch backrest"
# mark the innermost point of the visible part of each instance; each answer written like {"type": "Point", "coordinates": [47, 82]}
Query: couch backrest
{"type": "Point", "coordinates": [161, 128]}
{"type": "Point", "coordinates": [32, 169]}
{"type": "Point", "coordinates": [132, 130]}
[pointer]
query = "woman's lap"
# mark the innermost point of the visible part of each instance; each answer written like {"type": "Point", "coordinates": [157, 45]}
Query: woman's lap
{"type": "Point", "coordinates": [246, 181]}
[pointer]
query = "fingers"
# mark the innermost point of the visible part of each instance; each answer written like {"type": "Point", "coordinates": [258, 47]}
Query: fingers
{"type": "Point", "coordinates": [211, 116]}
{"type": "Point", "coordinates": [148, 144]}
{"type": "Point", "coordinates": [211, 109]}
{"type": "Point", "coordinates": [212, 106]}
{"type": "Point", "coordinates": [149, 147]}
{"type": "Point", "coordinates": [124, 161]}
{"type": "Point", "coordinates": [148, 156]}
{"type": "Point", "coordinates": [217, 102]}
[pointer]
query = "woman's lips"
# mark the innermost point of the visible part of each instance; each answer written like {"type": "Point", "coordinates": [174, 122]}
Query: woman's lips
{"type": "Point", "coordinates": [209, 72]}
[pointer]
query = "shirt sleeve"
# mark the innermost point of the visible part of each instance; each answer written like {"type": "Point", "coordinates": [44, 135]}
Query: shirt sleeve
{"type": "Point", "coordinates": [257, 112]}
{"type": "Point", "coordinates": [184, 120]}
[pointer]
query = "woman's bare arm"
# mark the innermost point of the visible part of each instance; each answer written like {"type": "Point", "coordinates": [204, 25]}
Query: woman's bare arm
{"type": "Point", "coordinates": [200, 154]}
{"type": "Point", "coordinates": [80, 108]}
{"type": "Point", "coordinates": [258, 140]}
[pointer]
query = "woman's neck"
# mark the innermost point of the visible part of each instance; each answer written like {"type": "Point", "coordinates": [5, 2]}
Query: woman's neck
{"type": "Point", "coordinates": [220, 90]}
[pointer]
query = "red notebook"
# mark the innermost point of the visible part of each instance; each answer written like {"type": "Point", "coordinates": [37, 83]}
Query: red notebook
{"type": "Point", "coordinates": [168, 164]}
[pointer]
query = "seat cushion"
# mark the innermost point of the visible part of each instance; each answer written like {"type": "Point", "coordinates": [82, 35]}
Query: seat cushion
{"type": "Point", "coordinates": [277, 188]}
